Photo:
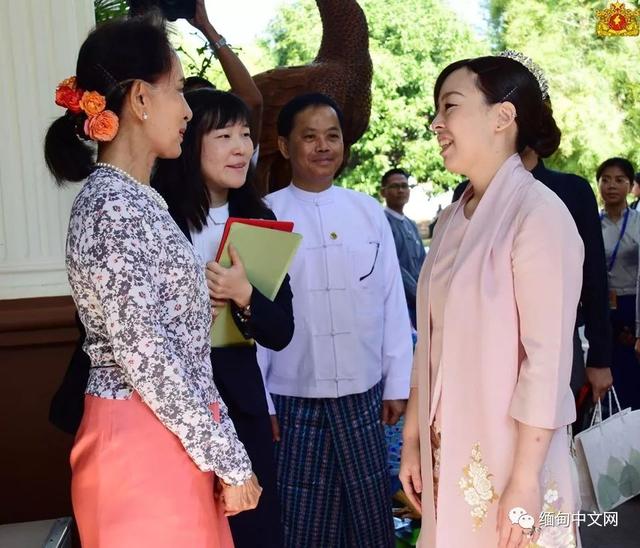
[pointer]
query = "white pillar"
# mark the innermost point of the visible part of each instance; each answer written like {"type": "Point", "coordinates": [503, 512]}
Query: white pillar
{"type": "Point", "coordinates": [39, 42]}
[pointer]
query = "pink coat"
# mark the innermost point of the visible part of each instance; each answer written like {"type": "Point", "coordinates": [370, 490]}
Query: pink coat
{"type": "Point", "coordinates": [506, 356]}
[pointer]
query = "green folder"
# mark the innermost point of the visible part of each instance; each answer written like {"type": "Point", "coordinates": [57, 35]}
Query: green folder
{"type": "Point", "coordinates": [266, 254]}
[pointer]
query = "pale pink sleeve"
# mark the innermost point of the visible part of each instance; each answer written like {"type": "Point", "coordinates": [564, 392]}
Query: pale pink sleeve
{"type": "Point", "coordinates": [547, 269]}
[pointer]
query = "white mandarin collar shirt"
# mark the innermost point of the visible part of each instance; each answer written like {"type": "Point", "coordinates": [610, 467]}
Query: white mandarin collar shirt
{"type": "Point", "coordinates": [323, 197]}
{"type": "Point", "coordinates": [352, 327]}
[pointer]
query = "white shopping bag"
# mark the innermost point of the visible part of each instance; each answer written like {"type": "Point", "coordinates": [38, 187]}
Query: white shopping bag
{"type": "Point", "coordinates": [607, 456]}
{"type": "Point", "coordinates": [582, 479]}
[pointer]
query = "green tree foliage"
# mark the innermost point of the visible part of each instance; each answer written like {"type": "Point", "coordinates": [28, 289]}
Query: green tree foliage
{"type": "Point", "coordinates": [410, 42]}
{"type": "Point", "coordinates": [594, 82]}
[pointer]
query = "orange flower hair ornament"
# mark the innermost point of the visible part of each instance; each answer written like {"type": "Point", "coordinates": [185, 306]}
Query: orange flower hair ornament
{"type": "Point", "coordinates": [100, 125]}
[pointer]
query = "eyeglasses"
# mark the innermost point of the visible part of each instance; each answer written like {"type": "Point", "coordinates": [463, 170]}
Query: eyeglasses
{"type": "Point", "coordinates": [397, 186]}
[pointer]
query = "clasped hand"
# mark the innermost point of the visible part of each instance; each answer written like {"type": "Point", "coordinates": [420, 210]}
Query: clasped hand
{"type": "Point", "coordinates": [228, 284]}
{"type": "Point", "coordinates": [520, 495]}
{"type": "Point", "coordinates": [239, 498]}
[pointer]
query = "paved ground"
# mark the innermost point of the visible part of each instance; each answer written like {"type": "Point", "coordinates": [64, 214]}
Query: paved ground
{"type": "Point", "coordinates": [625, 535]}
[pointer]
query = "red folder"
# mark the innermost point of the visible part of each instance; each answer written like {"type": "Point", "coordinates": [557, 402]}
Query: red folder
{"type": "Point", "coordinates": [284, 226]}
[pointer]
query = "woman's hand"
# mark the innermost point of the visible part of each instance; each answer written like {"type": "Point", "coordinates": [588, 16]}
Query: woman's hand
{"type": "Point", "coordinates": [200, 19]}
{"type": "Point", "coordinates": [519, 512]}
{"type": "Point", "coordinates": [238, 498]}
{"type": "Point", "coordinates": [636, 347]}
{"type": "Point", "coordinates": [522, 494]}
{"type": "Point", "coordinates": [229, 284]}
{"type": "Point", "coordinates": [410, 475]}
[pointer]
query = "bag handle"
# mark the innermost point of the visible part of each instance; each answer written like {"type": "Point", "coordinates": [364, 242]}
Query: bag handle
{"type": "Point", "coordinates": [596, 418]}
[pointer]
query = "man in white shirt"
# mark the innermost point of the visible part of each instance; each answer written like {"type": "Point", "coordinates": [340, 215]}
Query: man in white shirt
{"type": "Point", "coordinates": [348, 365]}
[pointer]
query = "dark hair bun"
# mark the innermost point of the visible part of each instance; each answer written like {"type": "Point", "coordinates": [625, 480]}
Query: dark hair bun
{"type": "Point", "coordinates": [546, 140]}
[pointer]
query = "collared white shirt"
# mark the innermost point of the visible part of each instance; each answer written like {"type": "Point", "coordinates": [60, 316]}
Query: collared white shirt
{"type": "Point", "coordinates": [395, 214]}
{"type": "Point", "coordinates": [207, 241]}
{"type": "Point", "coordinates": [623, 278]}
{"type": "Point", "coordinates": [351, 322]}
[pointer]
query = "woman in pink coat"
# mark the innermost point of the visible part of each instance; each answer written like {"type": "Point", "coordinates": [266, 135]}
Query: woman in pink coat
{"type": "Point", "coordinates": [486, 451]}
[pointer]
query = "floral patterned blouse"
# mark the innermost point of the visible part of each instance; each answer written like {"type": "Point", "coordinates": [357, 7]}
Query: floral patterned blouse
{"type": "Point", "coordinates": [142, 298]}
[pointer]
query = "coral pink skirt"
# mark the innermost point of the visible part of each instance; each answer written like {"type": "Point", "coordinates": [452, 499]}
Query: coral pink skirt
{"type": "Point", "coordinates": [134, 486]}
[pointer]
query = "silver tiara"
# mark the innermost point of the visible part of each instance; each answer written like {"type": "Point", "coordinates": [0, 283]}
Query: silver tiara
{"type": "Point", "coordinates": [531, 67]}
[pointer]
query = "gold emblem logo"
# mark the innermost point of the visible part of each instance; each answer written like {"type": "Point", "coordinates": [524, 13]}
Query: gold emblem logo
{"type": "Point", "coordinates": [618, 20]}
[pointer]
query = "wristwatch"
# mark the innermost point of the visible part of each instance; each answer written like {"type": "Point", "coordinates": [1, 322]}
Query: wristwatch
{"type": "Point", "coordinates": [246, 311]}
{"type": "Point", "coordinates": [217, 46]}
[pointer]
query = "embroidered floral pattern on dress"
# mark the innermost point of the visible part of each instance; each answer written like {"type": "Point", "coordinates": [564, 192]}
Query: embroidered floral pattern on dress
{"type": "Point", "coordinates": [436, 440]}
{"type": "Point", "coordinates": [553, 533]}
{"type": "Point", "coordinates": [476, 487]}
{"type": "Point", "coordinates": [142, 298]}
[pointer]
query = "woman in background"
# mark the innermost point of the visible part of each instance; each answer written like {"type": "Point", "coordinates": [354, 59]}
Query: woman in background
{"type": "Point", "coordinates": [621, 234]}
{"type": "Point", "coordinates": [209, 183]}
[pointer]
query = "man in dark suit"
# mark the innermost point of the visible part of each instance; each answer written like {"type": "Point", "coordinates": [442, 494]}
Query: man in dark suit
{"type": "Point", "coordinates": [593, 311]}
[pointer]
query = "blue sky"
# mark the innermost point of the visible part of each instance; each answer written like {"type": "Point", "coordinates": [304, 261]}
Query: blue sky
{"type": "Point", "coordinates": [255, 14]}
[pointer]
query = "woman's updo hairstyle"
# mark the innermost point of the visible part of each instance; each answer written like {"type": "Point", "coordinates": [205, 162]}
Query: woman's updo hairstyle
{"type": "Point", "coordinates": [113, 56]}
{"type": "Point", "coordinates": [503, 79]}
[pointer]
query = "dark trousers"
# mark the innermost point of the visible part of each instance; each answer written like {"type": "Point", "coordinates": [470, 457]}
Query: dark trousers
{"type": "Point", "coordinates": [625, 367]}
{"type": "Point", "coordinates": [262, 527]}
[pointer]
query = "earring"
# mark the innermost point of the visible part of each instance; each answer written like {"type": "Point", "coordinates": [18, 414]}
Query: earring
{"type": "Point", "coordinates": [145, 116]}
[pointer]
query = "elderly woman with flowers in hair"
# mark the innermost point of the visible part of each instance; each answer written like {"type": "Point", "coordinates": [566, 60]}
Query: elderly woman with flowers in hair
{"type": "Point", "coordinates": [155, 441]}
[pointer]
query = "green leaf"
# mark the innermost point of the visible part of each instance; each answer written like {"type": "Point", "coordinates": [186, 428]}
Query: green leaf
{"type": "Point", "coordinates": [608, 493]}
{"type": "Point", "coordinates": [629, 481]}
{"type": "Point", "coordinates": [110, 9]}
{"type": "Point", "coordinates": [614, 468]}
{"type": "Point", "coordinates": [634, 459]}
